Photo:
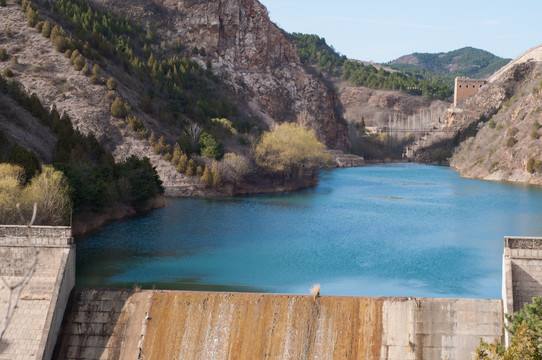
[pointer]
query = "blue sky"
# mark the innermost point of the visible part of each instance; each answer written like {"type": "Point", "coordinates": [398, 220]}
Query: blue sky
{"type": "Point", "coordinates": [384, 30]}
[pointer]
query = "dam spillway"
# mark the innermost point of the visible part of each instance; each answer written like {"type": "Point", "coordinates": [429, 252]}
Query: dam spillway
{"type": "Point", "coordinates": [122, 324]}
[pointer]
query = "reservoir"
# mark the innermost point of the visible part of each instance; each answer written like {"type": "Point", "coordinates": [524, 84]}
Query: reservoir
{"type": "Point", "coordinates": [380, 230]}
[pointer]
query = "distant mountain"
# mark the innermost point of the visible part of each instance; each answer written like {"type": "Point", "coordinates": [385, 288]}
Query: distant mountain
{"type": "Point", "coordinates": [314, 51]}
{"type": "Point", "coordinates": [468, 61]}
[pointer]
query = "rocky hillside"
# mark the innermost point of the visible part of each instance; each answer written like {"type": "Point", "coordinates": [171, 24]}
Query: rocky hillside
{"type": "Point", "coordinates": [255, 60]}
{"type": "Point", "coordinates": [507, 144]}
{"type": "Point", "coordinates": [467, 61]}
{"type": "Point", "coordinates": [231, 51]}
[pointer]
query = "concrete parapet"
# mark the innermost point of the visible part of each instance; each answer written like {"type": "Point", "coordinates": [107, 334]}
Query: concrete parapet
{"type": "Point", "coordinates": [35, 235]}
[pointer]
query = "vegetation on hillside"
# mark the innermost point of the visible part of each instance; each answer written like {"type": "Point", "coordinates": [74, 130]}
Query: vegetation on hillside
{"type": "Point", "coordinates": [95, 180]}
{"type": "Point", "coordinates": [49, 190]}
{"type": "Point", "coordinates": [290, 151]}
{"type": "Point", "coordinates": [314, 51]}
{"type": "Point", "coordinates": [174, 89]}
{"type": "Point", "coordinates": [444, 67]}
{"type": "Point", "coordinates": [172, 86]}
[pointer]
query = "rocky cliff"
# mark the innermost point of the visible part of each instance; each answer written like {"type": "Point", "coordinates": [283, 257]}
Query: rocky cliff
{"type": "Point", "coordinates": [506, 145]}
{"type": "Point", "coordinates": [254, 65]}
{"type": "Point", "coordinates": [254, 58]}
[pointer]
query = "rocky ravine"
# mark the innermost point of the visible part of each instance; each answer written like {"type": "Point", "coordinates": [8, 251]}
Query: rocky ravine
{"type": "Point", "coordinates": [501, 148]}
{"type": "Point", "coordinates": [254, 58]}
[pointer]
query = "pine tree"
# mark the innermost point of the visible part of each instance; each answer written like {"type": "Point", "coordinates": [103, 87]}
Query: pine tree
{"type": "Point", "coordinates": [217, 180]}
{"type": "Point", "coordinates": [207, 177]}
{"type": "Point", "coordinates": [176, 154]}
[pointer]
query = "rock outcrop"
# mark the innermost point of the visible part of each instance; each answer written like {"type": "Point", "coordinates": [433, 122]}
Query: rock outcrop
{"type": "Point", "coordinates": [255, 59]}
{"type": "Point", "coordinates": [503, 147]}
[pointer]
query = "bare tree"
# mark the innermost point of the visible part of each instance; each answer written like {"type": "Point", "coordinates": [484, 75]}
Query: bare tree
{"type": "Point", "coordinates": [16, 286]}
{"type": "Point", "coordinates": [194, 130]}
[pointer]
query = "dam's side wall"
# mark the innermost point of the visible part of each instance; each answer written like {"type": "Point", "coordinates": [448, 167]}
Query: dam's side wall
{"type": "Point", "coordinates": [49, 254]}
{"type": "Point", "coordinates": [204, 325]}
{"type": "Point", "coordinates": [522, 272]}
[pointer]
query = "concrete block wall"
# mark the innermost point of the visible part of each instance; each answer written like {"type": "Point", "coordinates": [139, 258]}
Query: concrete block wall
{"type": "Point", "coordinates": [522, 272]}
{"type": "Point", "coordinates": [33, 329]}
{"type": "Point", "coordinates": [439, 328]}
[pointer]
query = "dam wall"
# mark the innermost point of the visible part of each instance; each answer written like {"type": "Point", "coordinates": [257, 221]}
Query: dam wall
{"type": "Point", "coordinates": [42, 259]}
{"type": "Point", "coordinates": [127, 324]}
{"type": "Point", "coordinates": [522, 272]}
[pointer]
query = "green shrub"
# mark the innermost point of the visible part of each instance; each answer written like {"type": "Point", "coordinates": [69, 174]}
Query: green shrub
{"type": "Point", "coordinates": [7, 72]}
{"type": "Point", "coordinates": [492, 124]}
{"type": "Point", "coordinates": [534, 135]}
{"type": "Point", "coordinates": [511, 141]}
{"type": "Point", "coordinates": [190, 168]}
{"type": "Point", "coordinates": [61, 43]}
{"type": "Point", "coordinates": [79, 63]}
{"type": "Point", "coordinates": [96, 70]}
{"type": "Point", "coordinates": [241, 140]}
{"type": "Point", "coordinates": [161, 146]}
{"type": "Point", "coordinates": [135, 123]}
{"type": "Point", "coordinates": [46, 29]}
{"type": "Point", "coordinates": [97, 80]}
{"type": "Point", "coordinates": [50, 190]}
{"type": "Point", "coordinates": [152, 139]}
{"type": "Point", "coordinates": [111, 83]}
{"type": "Point", "coordinates": [217, 179]}
{"type": "Point", "coordinates": [176, 154]}
{"type": "Point", "coordinates": [290, 149]}
{"type": "Point", "coordinates": [183, 164]}
{"type": "Point", "coordinates": [210, 146]}
{"type": "Point", "coordinates": [3, 3]}
{"type": "Point", "coordinates": [74, 54]}
{"type": "Point", "coordinates": [32, 16]}
{"type": "Point", "coordinates": [120, 108]}
{"type": "Point", "coordinates": [18, 155]}
{"type": "Point", "coordinates": [3, 54]}
{"type": "Point", "coordinates": [85, 70]}
{"type": "Point", "coordinates": [39, 26]}
{"type": "Point", "coordinates": [184, 144]}
{"type": "Point", "coordinates": [207, 177]}
{"type": "Point", "coordinates": [8, 32]}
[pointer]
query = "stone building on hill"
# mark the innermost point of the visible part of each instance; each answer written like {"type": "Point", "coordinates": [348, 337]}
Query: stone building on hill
{"type": "Point", "coordinates": [465, 88]}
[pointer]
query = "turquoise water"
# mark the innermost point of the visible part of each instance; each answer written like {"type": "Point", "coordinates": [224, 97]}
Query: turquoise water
{"type": "Point", "coordinates": [391, 230]}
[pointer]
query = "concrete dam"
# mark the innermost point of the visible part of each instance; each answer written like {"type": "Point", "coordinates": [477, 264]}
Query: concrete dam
{"type": "Point", "coordinates": [107, 324]}
{"type": "Point", "coordinates": [150, 324]}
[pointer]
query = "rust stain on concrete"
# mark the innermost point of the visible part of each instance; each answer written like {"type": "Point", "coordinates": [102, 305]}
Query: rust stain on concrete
{"type": "Point", "coordinates": [123, 324]}
{"type": "Point", "coordinates": [189, 325]}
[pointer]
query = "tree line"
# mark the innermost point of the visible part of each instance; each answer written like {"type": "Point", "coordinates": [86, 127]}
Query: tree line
{"type": "Point", "coordinates": [314, 51]}
{"type": "Point", "coordinates": [95, 180]}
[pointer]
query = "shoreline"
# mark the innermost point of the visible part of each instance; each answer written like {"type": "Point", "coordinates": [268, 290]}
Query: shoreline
{"type": "Point", "coordinates": [88, 221]}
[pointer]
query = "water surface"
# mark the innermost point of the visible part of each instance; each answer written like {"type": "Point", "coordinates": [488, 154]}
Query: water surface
{"type": "Point", "coordinates": [391, 230]}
